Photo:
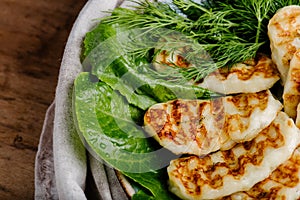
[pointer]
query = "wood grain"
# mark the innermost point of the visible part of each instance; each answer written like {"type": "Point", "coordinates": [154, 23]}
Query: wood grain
{"type": "Point", "coordinates": [32, 38]}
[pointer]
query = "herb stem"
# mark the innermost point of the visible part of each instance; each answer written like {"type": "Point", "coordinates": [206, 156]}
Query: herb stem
{"type": "Point", "coordinates": [258, 31]}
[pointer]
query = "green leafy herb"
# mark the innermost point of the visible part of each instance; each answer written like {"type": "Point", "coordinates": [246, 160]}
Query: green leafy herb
{"type": "Point", "coordinates": [152, 181]}
{"type": "Point", "coordinates": [230, 31]}
{"type": "Point", "coordinates": [99, 34]}
{"type": "Point", "coordinates": [104, 120]}
{"type": "Point", "coordinates": [133, 77]}
{"type": "Point", "coordinates": [103, 117]}
{"type": "Point", "coordinates": [108, 54]}
{"type": "Point", "coordinates": [142, 195]}
{"type": "Point", "coordinates": [160, 90]}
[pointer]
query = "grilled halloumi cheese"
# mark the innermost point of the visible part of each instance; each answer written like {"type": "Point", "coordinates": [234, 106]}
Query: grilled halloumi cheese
{"type": "Point", "coordinates": [283, 183]}
{"type": "Point", "coordinates": [284, 35]}
{"type": "Point", "coordinates": [238, 169]}
{"type": "Point", "coordinates": [203, 126]}
{"type": "Point", "coordinates": [297, 121]}
{"type": "Point", "coordinates": [252, 76]}
{"type": "Point", "coordinates": [291, 92]}
{"type": "Point", "coordinates": [249, 77]}
{"type": "Point", "coordinates": [164, 59]}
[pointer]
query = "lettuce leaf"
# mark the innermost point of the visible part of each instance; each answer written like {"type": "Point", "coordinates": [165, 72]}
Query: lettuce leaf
{"type": "Point", "coordinates": [134, 77]}
{"type": "Point", "coordinates": [103, 118]}
{"type": "Point", "coordinates": [99, 34]}
{"type": "Point", "coordinates": [155, 182]}
{"type": "Point", "coordinates": [106, 52]}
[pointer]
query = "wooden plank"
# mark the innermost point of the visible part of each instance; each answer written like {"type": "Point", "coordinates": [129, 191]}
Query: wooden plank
{"type": "Point", "coordinates": [16, 180]}
{"type": "Point", "coordinates": [32, 39]}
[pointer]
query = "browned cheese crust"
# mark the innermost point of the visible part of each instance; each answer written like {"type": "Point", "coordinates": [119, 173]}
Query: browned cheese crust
{"type": "Point", "coordinates": [240, 168]}
{"type": "Point", "coordinates": [284, 32]}
{"type": "Point", "coordinates": [203, 126]}
{"type": "Point", "coordinates": [283, 183]}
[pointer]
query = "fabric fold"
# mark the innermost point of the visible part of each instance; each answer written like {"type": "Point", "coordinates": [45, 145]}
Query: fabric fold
{"type": "Point", "coordinates": [45, 185]}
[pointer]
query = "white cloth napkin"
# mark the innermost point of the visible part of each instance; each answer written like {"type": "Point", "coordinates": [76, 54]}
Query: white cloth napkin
{"type": "Point", "coordinates": [64, 170]}
{"type": "Point", "coordinates": [101, 181]}
{"type": "Point", "coordinates": [45, 185]}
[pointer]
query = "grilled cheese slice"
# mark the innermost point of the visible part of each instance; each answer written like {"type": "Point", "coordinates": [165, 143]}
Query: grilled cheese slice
{"type": "Point", "coordinates": [297, 121]}
{"type": "Point", "coordinates": [224, 173]}
{"type": "Point", "coordinates": [203, 126]}
{"type": "Point", "coordinates": [284, 35]}
{"type": "Point", "coordinates": [255, 75]}
{"type": "Point", "coordinates": [291, 92]}
{"type": "Point", "coordinates": [283, 183]}
{"type": "Point", "coordinates": [249, 77]}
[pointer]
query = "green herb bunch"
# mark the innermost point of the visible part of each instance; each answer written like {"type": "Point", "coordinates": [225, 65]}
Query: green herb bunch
{"type": "Point", "coordinates": [230, 31]}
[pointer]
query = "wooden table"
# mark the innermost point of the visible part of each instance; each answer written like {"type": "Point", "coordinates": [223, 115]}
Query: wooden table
{"type": "Point", "coordinates": [32, 38]}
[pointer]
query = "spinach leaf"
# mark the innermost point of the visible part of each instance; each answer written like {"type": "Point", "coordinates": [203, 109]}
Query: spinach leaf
{"type": "Point", "coordinates": [155, 182]}
{"type": "Point", "coordinates": [99, 34]}
{"type": "Point", "coordinates": [141, 195]}
{"type": "Point", "coordinates": [108, 61]}
{"type": "Point", "coordinates": [111, 62]}
{"type": "Point", "coordinates": [107, 53]}
{"type": "Point", "coordinates": [140, 100]}
{"type": "Point", "coordinates": [103, 117]}
{"type": "Point", "coordinates": [159, 89]}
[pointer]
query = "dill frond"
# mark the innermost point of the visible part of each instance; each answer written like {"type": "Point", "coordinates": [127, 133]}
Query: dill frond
{"type": "Point", "coordinates": [229, 31]}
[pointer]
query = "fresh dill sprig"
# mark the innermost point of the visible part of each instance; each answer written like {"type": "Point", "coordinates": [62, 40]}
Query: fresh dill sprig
{"type": "Point", "coordinates": [149, 15]}
{"type": "Point", "coordinates": [229, 31]}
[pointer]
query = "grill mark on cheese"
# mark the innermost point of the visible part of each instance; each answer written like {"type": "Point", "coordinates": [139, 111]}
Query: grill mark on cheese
{"type": "Point", "coordinates": [206, 178]}
{"type": "Point", "coordinates": [171, 59]}
{"type": "Point", "coordinates": [283, 31]}
{"type": "Point", "coordinates": [218, 113]}
{"type": "Point", "coordinates": [261, 69]}
{"type": "Point", "coordinates": [245, 71]}
{"type": "Point", "coordinates": [242, 102]}
{"type": "Point", "coordinates": [157, 118]}
{"type": "Point", "coordinates": [296, 78]}
{"type": "Point", "coordinates": [234, 122]}
{"type": "Point", "coordinates": [286, 176]}
{"type": "Point", "coordinates": [291, 92]}
{"type": "Point", "coordinates": [203, 126]}
{"type": "Point", "coordinates": [182, 62]}
{"type": "Point", "coordinates": [287, 57]}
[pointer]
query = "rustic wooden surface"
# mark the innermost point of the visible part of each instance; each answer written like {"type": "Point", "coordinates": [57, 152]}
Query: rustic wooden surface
{"type": "Point", "coordinates": [32, 38]}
